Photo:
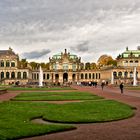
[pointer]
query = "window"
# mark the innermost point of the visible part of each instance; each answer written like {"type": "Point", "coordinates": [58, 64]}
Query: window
{"type": "Point", "coordinates": [86, 76]}
{"type": "Point", "coordinates": [13, 75]}
{"type": "Point", "coordinates": [96, 76]}
{"type": "Point", "coordinates": [54, 66]}
{"type": "Point", "coordinates": [120, 74]}
{"type": "Point", "coordinates": [99, 75]}
{"type": "Point", "coordinates": [48, 76]}
{"type": "Point", "coordinates": [7, 75]}
{"type": "Point", "coordinates": [19, 75]}
{"type": "Point", "coordinates": [74, 67]}
{"type": "Point", "coordinates": [93, 76]}
{"type": "Point", "coordinates": [44, 76]}
{"type": "Point", "coordinates": [2, 75]}
{"type": "Point", "coordinates": [89, 75]}
{"type": "Point", "coordinates": [65, 66]}
{"type": "Point", "coordinates": [37, 76]}
{"type": "Point", "coordinates": [2, 64]}
{"type": "Point", "coordinates": [24, 75]}
{"type": "Point", "coordinates": [125, 74]}
{"type": "Point", "coordinates": [115, 74]}
{"type": "Point", "coordinates": [7, 64]}
{"type": "Point", "coordinates": [12, 64]}
{"type": "Point", "coordinates": [82, 76]}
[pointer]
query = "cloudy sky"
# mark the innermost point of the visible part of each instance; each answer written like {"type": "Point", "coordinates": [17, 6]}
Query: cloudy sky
{"type": "Point", "coordinates": [37, 29]}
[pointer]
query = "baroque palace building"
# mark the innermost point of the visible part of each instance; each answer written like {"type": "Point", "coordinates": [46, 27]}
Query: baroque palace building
{"type": "Point", "coordinates": [66, 68]}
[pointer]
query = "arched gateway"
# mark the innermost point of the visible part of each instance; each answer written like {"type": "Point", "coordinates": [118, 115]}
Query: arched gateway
{"type": "Point", "coordinates": [65, 77]}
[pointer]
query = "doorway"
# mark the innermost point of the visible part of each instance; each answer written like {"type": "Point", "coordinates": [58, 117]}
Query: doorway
{"type": "Point", "coordinates": [65, 77]}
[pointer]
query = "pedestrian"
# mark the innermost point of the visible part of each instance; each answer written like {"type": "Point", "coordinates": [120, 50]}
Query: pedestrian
{"type": "Point", "coordinates": [102, 85]}
{"type": "Point", "coordinates": [121, 87]}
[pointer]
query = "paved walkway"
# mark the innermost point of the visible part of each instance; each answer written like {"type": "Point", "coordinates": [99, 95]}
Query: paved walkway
{"type": "Point", "coordinates": [128, 129]}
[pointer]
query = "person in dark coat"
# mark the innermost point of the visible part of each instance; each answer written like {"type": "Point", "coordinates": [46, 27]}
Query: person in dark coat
{"type": "Point", "coordinates": [121, 87]}
{"type": "Point", "coordinates": [102, 85]}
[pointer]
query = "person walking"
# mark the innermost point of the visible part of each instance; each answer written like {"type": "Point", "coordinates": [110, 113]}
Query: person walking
{"type": "Point", "coordinates": [102, 85]}
{"type": "Point", "coordinates": [121, 87]}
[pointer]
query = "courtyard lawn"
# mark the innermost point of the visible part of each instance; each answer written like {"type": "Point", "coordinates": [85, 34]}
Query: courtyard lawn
{"type": "Point", "coordinates": [43, 88]}
{"type": "Point", "coordinates": [15, 121]}
{"type": "Point", "coordinates": [55, 96]}
{"type": "Point", "coordinates": [15, 116]}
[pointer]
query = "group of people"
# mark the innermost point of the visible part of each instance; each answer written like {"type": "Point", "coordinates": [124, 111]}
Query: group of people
{"type": "Point", "coordinates": [121, 86]}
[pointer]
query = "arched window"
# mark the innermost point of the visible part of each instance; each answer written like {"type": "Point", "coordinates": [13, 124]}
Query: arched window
{"type": "Point", "coordinates": [125, 74]}
{"type": "Point", "coordinates": [7, 75]}
{"type": "Point", "coordinates": [48, 76]}
{"type": "Point", "coordinates": [89, 75]}
{"type": "Point", "coordinates": [82, 76]}
{"type": "Point", "coordinates": [115, 74]}
{"type": "Point", "coordinates": [12, 64]}
{"type": "Point", "coordinates": [93, 76]}
{"type": "Point", "coordinates": [120, 74]}
{"type": "Point", "coordinates": [19, 75]}
{"type": "Point", "coordinates": [24, 75]}
{"type": "Point", "coordinates": [86, 76]}
{"type": "Point", "coordinates": [37, 76]}
{"type": "Point", "coordinates": [2, 75]}
{"type": "Point", "coordinates": [7, 64]}
{"type": "Point", "coordinates": [13, 75]}
{"type": "Point", "coordinates": [99, 75]}
{"type": "Point", "coordinates": [96, 76]}
{"type": "Point", "coordinates": [2, 64]}
{"type": "Point", "coordinates": [44, 76]}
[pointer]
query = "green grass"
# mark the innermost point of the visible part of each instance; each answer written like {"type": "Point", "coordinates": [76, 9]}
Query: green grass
{"type": "Point", "coordinates": [56, 96]}
{"type": "Point", "coordinates": [15, 120]}
{"type": "Point", "coordinates": [40, 89]}
{"type": "Point", "coordinates": [15, 116]}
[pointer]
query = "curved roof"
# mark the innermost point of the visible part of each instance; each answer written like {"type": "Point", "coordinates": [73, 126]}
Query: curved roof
{"type": "Point", "coordinates": [59, 56]}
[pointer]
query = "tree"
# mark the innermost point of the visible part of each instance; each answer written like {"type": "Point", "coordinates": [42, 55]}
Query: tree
{"type": "Point", "coordinates": [23, 63]}
{"type": "Point", "coordinates": [112, 62]}
{"type": "Point", "coordinates": [34, 65]}
{"type": "Point", "coordinates": [105, 60]}
{"type": "Point", "coordinates": [93, 66]}
{"type": "Point", "coordinates": [87, 66]}
{"type": "Point", "coordinates": [82, 66]}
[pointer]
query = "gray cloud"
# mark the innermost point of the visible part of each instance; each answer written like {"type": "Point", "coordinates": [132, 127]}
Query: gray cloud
{"type": "Point", "coordinates": [81, 47]}
{"type": "Point", "coordinates": [36, 54]}
{"type": "Point", "coordinates": [101, 26]}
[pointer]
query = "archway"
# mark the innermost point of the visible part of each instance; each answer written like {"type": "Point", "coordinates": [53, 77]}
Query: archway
{"type": "Point", "coordinates": [56, 78]}
{"type": "Point", "coordinates": [73, 77]}
{"type": "Point", "coordinates": [65, 77]}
